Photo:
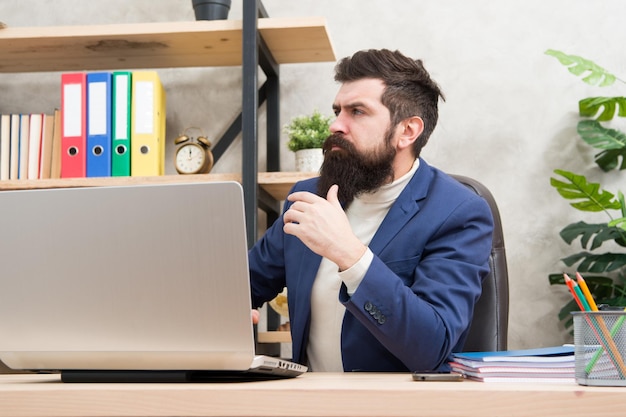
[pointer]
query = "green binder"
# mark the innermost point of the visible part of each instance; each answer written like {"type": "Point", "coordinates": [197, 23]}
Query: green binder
{"type": "Point", "coordinates": [121, 100]}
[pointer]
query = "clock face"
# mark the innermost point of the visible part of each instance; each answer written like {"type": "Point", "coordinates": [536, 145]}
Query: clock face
{"type": "Point", "coordinates": [191, 159]}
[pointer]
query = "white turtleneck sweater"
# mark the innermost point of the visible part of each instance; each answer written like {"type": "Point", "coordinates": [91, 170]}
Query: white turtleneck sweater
{"type": "Point", "coordinates": [365, 214]}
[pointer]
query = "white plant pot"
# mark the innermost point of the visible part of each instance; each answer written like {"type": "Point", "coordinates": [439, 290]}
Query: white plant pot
{"type": "Point", "coordinates": [309, 160]}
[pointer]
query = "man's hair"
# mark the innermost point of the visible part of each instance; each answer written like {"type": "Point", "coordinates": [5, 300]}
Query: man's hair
{"type": "Point", "coordinates": [409, 90]}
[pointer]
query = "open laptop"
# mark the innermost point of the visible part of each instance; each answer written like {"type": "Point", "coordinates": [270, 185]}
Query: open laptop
{"type": "Point", "coordinates": [129, 283]}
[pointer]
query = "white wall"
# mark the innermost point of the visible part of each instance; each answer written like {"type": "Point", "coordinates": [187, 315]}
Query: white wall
{"type": "Point", "coordinates": [509, 118]}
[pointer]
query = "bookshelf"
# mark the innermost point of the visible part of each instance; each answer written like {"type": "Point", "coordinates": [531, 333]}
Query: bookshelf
{"type": "Point", "coordinates": [252, 42]}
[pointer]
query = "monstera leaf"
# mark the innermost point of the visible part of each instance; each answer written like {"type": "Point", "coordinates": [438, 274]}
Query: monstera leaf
{"type": "Point", "coordinates": [600, 137]}
{"type": "Point", "coordinates": [609, 160]}
{"type": "Point", "coordinates": [588, 196]}
{"type": "Point", "coordinates": [596, 262]}
{"type": "Point", "coordinates": [595, 74]}
{"type": "Point", "coordinates": [611, 141]}
{"type": "Point", "coordinates": [607, 106]}
{"type": "Point", "coordinates": [597, 234]}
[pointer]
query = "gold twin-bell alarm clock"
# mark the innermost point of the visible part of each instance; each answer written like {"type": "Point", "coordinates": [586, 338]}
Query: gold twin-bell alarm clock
{"type": "Point", "coordinates": [194, 156]}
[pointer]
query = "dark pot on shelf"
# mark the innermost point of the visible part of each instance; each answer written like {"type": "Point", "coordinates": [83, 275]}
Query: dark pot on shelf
{"type": "Point", "coordinates": [211, 9]}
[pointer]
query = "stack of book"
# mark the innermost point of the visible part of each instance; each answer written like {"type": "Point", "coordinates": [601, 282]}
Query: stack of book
{"type": "Point", "coordinates": [550, 364]}
{"type": "Point", "coordinates": [30, 146]}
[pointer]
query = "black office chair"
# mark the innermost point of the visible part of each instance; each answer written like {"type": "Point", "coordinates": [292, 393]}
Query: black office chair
{"type": "Point", "coordinates": [489, 328]}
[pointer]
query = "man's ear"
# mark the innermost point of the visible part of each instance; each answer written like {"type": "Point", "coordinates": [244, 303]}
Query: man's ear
{"type": "Point", "coordinates": [410, 130]}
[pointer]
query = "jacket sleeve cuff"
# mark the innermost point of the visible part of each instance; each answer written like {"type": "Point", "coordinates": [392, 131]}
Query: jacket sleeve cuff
{"type": "Point", "coordinates": [353, 276]}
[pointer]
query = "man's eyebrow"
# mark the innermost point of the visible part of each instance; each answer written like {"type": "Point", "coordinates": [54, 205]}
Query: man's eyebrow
{"type": "Point", "coordinates": [350, 105]}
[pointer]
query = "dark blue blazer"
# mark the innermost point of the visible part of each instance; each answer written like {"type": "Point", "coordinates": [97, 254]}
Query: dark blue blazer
{"type": "Point", "coordinates": [415, 303]}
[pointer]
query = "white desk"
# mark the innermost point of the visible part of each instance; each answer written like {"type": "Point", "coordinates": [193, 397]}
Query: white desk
{"type": "Point", "coordinates": [313, 394]}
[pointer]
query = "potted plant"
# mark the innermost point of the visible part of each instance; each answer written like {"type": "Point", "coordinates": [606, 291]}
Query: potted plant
{"type": "Point", "coordinates": [604, 272]}
{"type": "Point", "coordinates": [306, 138]}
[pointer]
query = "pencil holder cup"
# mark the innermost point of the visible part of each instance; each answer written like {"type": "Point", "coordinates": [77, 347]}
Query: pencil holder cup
{"type": "Point", "coordinates": [600, 348]}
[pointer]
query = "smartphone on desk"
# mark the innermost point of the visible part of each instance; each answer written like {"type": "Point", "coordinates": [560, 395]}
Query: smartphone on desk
{"type": "Point", "coordinates": [437, 376]}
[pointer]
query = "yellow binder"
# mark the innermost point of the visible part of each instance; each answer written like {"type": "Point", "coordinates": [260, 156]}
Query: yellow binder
{"type": "Point", "coordinates": [147, 156]}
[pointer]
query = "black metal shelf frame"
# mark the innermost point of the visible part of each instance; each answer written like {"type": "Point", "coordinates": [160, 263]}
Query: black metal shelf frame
{"type": "Point", "coordinates": [255, 54]}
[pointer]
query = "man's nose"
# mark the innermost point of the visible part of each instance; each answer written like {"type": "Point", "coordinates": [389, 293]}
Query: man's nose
{"type": "Point", "coordinates": [338, 125]}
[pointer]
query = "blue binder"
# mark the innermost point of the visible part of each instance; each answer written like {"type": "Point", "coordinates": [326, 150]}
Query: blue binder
{"type": "Point", "coordinates": [99, 124]}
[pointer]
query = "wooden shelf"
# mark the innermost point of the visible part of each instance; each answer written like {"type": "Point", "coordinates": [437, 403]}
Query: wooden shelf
{"type": "Point", "coordinates": [277, 184]}
{"type": "Point", "coordinates": [274, 337]}
{"type": "Point", "coordinates": [158, 45]}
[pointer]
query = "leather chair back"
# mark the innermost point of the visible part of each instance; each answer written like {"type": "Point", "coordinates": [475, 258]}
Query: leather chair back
{"type": "Point", "coordinates": [489, 328]}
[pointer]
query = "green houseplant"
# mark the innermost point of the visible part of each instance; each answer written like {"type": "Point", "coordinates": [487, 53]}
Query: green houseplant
{"type": "Point", "coordinates": [306, 137]}
{"type": "Point", "coordinates": [604, 270]}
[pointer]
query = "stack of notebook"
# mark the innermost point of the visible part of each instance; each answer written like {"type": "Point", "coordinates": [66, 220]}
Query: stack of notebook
{"type": "Point", "coordinates": [551, 364]}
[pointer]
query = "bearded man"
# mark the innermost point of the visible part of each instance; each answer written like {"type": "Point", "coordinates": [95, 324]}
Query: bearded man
{"type": "Point", "coordinates": [382, 255]}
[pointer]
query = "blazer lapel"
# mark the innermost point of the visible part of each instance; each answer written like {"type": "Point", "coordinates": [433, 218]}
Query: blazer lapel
{"type": "Point", "coordinates": [405, 207]}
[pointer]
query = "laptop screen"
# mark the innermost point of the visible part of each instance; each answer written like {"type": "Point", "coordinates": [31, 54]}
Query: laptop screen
{"type": "Point", "coordinates": [132, 277]}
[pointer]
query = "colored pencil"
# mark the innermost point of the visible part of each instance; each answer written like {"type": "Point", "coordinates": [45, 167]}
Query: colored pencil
{"type": "Point", "coordinates": [570, 284]}
{"type": "Point", "coordinates": [583, 286]}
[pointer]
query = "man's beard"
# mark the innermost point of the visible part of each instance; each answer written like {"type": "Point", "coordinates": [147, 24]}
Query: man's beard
{"type": "Point", "coordinates": [353, 172]}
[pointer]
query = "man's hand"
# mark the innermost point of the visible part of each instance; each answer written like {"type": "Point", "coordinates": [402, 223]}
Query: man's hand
{"type": "Point", "coordinates": [323, 227]}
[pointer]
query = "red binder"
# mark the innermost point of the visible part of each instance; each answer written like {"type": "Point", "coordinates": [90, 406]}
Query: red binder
{"type": "Point", "coordinates": [73, 125]}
